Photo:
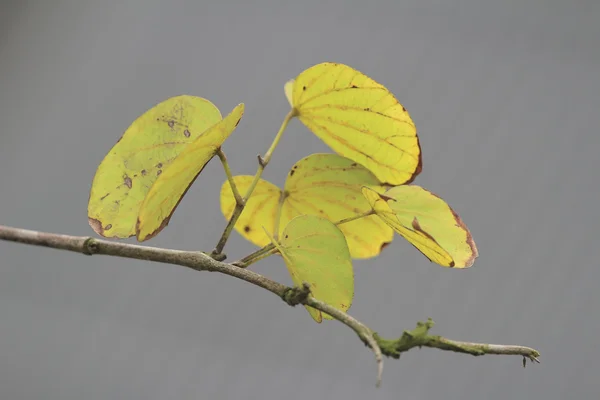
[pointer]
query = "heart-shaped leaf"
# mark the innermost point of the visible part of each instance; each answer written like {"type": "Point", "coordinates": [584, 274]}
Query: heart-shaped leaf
{"type": "Point", "coordinates": [359, 119]}
{"type": "Point", "coordinates": [315, 252]}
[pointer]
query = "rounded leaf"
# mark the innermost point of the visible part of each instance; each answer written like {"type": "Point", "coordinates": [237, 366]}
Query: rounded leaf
{"type": "Point", "coordinates": [145, 150]}
{"type": "Point", "coordinates": [330, 186]}
{"type": "Point", "coordinates": [315, 252]}
{"type": "Point", "coordinates": [327, 185]}
{"type": "Point", "coordinates": [359, 119]}
{"type": "Point", "coordinates": [169, 188]}
{"type": "Point", "coordinates": [427, 222]}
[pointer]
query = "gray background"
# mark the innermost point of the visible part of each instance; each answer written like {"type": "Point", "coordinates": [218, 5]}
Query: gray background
{"type": "Point", "coordinates": [505, 95]}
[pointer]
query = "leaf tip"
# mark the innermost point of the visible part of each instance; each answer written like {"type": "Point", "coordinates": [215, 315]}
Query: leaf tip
{"type": "Point", "coordinates": [142, 237]}
{"type": "Point", "coordinates": [469, 240]}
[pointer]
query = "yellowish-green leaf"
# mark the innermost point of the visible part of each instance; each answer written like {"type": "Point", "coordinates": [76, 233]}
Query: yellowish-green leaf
{"type": "Point", "coordinates": [327, 185]}
{"type": "Point", "coordinates": [315, 252]}
{"type": "Point", "coordinates": [144, 152]}
{"type": "Point", "coordinates": [359, 119]}
{"type": "Point", "coordinates": [167, 191]}
{"type": "Point", "coordinates": [427, 222]}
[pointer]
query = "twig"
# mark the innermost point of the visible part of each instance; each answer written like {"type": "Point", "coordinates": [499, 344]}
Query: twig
{"type": "Point", "coordinates": [420, 337]}
{"type": "Point", "coordinates": [200, 261]}
{"type": "Point", "coordinates": [217, 253]}
{"type": "Point", "coordinates": [234, 189]}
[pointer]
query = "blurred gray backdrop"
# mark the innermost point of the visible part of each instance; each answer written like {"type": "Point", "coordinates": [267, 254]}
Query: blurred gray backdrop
{"type": "Point", "coordinates": [506, 98]}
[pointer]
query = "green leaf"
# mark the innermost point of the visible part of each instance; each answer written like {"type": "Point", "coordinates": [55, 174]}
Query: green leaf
{"type": "Point", "coordinates": [315, 252]}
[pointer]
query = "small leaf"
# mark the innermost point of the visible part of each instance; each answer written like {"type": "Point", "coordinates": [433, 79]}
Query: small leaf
{"type": "Point", "coordinates": [142, 154]}
{"type": "Point", "coordinates": [427, 222]}
{"type": "Point", "coordinates": [315, 252]}
{"type": "Point", "coordinates": [166, 192]}
{"type": "Point", "coordinates": [359, 119]}
{"type": "Point", "coordinates": [327, 185]}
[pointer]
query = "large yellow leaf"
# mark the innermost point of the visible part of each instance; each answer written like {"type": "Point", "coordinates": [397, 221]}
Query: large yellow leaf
{"type": "Point", "coordinates": [359, 119]}
{"type": "Point", "coordinates": [167, 191]}
{"type": "Point", "coordinates": [315, 252]}
{"type": "Point", "coordinates": [144, 152]}
{"type": "Point", "coordinates": [327, 185]}
{"type": "Point", "coordinates": [427, 222]}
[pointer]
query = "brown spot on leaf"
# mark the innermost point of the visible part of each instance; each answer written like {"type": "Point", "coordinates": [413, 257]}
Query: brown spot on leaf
{"type": "Point", "coordinates": [96, 226]}
{"type": "Point", "coordinates": [417, 227]}
{"type": "Point", "coordinates": [367, 109]}
{"type": "Point", "coordinates": [158, 172]}
{"type": "Point", "coordinates": [354, 87]}
{"type": "Point", "coordinates": [186, 133]}
{"type": "Point", "coordinates": [128, 182]}
{"type": "Point", "coordinates": [171, 124]}
{"type": "Point", "coordinates": [303, 87]}
{"type": "Point", "coordinates": [354, 164]}
{"type": "Point", "coordinates": [107, 227]}
{"type": "Point", "coordinates": [238, 122]}
{"type": "Point", "coordinates": [246, 229]}
{"type": "Point", "coordinates": [159, 165]}
{"type": "Point", "coordinates": [144, 172]}
{"type": "Point", "coordinates": [105, 196]}
{"type": "Point", "coordinates": [292, 172]}
{"type": "Point", "coordinates": [386, 198]}
{"type": "Point", "coordinates": [403, 109]}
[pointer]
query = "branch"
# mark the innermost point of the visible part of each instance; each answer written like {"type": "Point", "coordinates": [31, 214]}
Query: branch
{"type": "Point", "coordinates": [200, 261]}
{"type": "Point", "coordinates": [419, 337]}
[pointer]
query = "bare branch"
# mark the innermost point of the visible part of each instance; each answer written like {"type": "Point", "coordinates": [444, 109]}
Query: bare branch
{"type": "Point", "coordinates": [199, 261]}
{"type": "Point", "coordinates": [420, 337]}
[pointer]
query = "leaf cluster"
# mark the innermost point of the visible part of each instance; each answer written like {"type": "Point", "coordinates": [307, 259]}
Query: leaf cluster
{"type": "Point", "coordinates": [332, 208]}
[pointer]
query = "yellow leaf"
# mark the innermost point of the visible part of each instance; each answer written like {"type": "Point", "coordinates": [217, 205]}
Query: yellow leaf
{"type": "Point", "coordinates": [260, 210]}
{"type": "Point", "coordinates": [330, 186]}
{"type": "Point", "coordinates": [315, 252]}
{"type": "Point", "coordinates": [359, 119]}
{"type": "Point", "coordinates": [144, 152]}
{"type": "Point", "coordinates": [327, 185]}
{"type": "Point", "coordinates": [167, 191]}
{"type": "Point", "coordinates": [427, 222]}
